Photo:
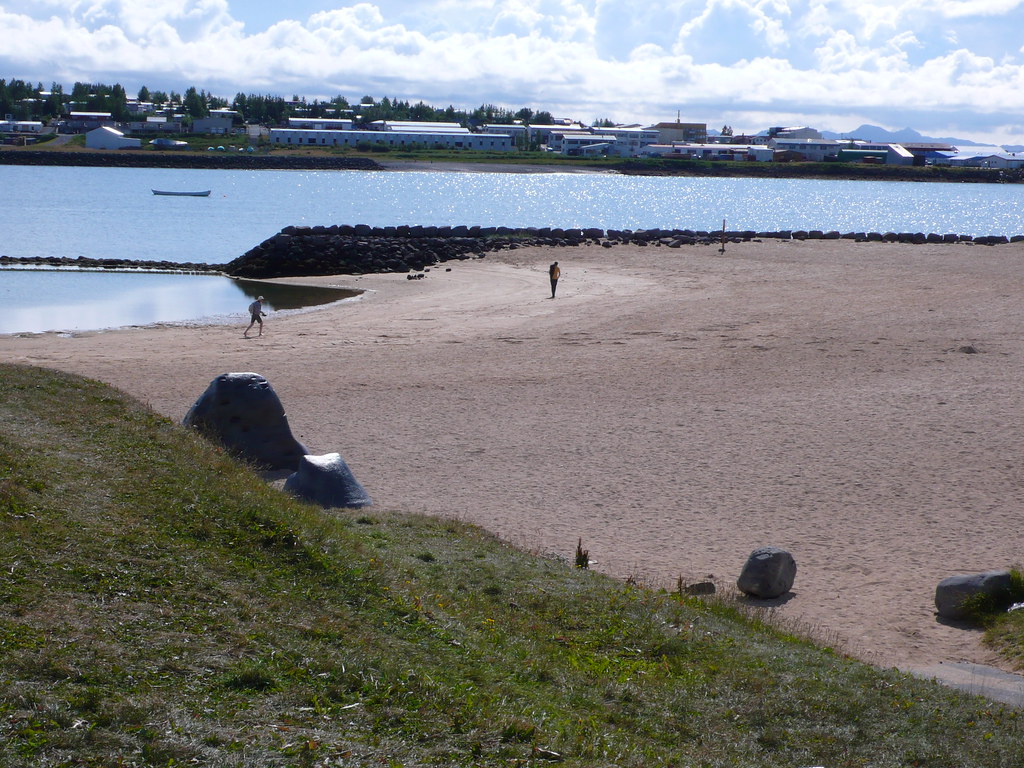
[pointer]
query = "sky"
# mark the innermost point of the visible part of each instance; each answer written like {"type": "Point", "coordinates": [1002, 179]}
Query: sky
{"type": "Point", "coordinates": [946, 68]}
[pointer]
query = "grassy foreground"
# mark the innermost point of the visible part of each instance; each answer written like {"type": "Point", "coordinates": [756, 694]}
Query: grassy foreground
{"type": "Point", "coordinates": [160, 605]}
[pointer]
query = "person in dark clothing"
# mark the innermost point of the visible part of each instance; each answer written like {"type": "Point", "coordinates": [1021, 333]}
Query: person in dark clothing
{"type": "Point", "coordinates": [554, 272]}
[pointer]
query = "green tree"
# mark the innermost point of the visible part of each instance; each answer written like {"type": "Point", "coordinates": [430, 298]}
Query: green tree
{"type": "Point", "coordinates": [54, 106]}
{"type": "Point", "coordinates": [5, 99]}
{"type": "Point", "coordinates": [117, 103]}
{"type": "Point", "coordinates": [194, 104]}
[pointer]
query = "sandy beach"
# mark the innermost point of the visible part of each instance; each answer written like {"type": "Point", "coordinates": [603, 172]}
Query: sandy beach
{"type": "Point", "coordinates": [857, 404]}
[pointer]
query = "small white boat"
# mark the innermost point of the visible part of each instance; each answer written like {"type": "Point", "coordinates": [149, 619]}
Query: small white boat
{"type": "Point", "coordinates": [204, 193]}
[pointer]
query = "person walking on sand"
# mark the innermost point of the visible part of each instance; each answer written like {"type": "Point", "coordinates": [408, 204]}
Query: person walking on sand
{"type": "Point", "coordinates": [554, 272]}
{"type": "Point", "coordinates": [256, 315]}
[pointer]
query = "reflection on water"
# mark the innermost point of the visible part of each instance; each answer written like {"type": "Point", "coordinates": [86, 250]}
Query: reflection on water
{"type": "Point", "coordinates": [286, 296]}
{"type": "Point", "coordinates": [35, 301]}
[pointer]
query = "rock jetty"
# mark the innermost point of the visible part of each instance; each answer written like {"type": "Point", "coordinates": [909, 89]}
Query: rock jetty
{"type": "Point", "coordinates": [358, 249]}
{"type": "Point", "coordinates": [361, 249]}
{"type": "Point", "coordinates": [119, 265]}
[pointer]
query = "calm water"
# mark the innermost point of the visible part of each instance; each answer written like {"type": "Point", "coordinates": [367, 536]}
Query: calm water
{"type": "Point", "coordinates": [111, 212]}
{"type": "Point", "coordinates": [56, 300]}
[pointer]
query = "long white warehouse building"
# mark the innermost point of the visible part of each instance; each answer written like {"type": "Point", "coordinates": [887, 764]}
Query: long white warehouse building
{"type": "Point", "coordinates": [293, 137]}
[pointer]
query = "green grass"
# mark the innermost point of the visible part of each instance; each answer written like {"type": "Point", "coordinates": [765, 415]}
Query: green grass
{"type": "Point", "coordinates": [160, 605]}
{"type": "Point", "coordinates": [1004, 631]}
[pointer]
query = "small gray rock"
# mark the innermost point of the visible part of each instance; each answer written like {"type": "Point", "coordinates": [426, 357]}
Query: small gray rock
{"type": "Point", "coordinates": [326, 480]}
{"type": "Point", "coordinates": [700, 588]}
{"type": "Point", "coordinates": [242, 412]}
{"type": "Point", "coordinates": [769, 572]}
{"type": "Point", "coordinates": [952, 592]}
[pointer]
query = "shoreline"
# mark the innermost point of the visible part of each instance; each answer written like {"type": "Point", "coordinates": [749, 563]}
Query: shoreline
{"type": "Point", "coordinates": [362, 249]}
{"type": "Point", "coordinates": [675, 409]}
{"type": "Point", "coordinates": [321, 161]}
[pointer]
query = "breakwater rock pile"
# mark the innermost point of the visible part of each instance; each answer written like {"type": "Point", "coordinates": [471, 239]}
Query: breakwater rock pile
{"type": "Point", "coordinates": [361, 249]}
{"type": "Point", "coordinates": [116, 265]}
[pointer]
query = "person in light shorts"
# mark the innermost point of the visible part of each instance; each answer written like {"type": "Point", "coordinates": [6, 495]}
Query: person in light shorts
{"type": "Point", "coordinates": [256, 315]}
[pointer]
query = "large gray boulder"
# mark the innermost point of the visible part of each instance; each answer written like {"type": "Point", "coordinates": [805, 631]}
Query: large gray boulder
{"type": "Point", "coordinates": [769, 572]}
{"type": "Point", "coordinates": [952, 592]}
{"type": "Point", "coordinates": [242, 412]}
{"type": "Point", "coordinates": [326, 480]}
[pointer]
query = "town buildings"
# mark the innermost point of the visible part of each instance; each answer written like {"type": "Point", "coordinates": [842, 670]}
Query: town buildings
{"type": "Point", "coordinates": [158, 124]}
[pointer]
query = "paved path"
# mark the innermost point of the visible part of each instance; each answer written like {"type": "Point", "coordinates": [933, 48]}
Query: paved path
{"type": "Point", "coordinates": [978, 679]}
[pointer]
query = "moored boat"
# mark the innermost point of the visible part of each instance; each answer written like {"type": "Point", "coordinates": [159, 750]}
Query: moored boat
{"type": "Point", "coordinates": [204, 193]}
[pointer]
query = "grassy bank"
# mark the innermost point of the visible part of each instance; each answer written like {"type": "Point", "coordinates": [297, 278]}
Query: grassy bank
{"type": "Point", "coordinates": [161, 605]}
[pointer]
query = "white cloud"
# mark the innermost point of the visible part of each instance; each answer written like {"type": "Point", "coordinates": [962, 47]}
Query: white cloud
{"type": "Point", "coordinates": [765, 18]}
{"type": "Point", "coordinates": [952, 9]}
{"type": "Point", "coordinates": [762, 61]}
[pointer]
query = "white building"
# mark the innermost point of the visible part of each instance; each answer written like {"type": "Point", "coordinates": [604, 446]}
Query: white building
{"type": "Point", "coordinates": [411, 126]}
{"type": "Point", "coordinates": [630, 141]}
{"type": "Point", "coordinates": [995, 160]}
{"type": "Point", "coordinates": [815, 150]}
{"type": "Point", "coordinates": [21, 126]}
{"type": "Point", "coordinates": [798, 132]}
{"type": "Point", "coordinates": [621, 141]}
{"type": "Point", "coordinates": [106, 137]}
{"type": "Point", "coordinates": [966, 155]}
{"type": "Point", "coordinates": [289, 137]}
{"type": "Point", "coordinates": [539, 133]}
{"type": "Point", "coordinates": [895, 154]}
{"type": "Point", "coordinates": [516, 129]}
{"type": "Point", "coordinates": [713, 151]}
{"type": "Point", "coordinates": [320, 123]}
{"type": "Point", "coordinates": [581, 143]}
{"type": "Point", "coordinates": [555, 141]}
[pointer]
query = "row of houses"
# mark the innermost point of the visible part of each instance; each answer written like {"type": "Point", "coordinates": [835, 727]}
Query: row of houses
{"type": "Point", "coordinates": [673, 140]}
{"type": "Point", "coordinates": [220, 121]}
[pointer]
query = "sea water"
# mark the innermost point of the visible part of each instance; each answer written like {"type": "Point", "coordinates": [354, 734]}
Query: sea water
{"type": "Point", "coordinates": [35, 301]}
{"type": "Point", "coordinates": [112, 213]}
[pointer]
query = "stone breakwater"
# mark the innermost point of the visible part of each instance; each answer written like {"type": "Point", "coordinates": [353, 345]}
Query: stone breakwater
{"type": "Point", "coordinates": [361, 249]}
{"type": "Point", "coordinates": [84, 262]}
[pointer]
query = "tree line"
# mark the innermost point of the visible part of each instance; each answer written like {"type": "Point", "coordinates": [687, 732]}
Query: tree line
{"type": "Point", "coordinates": [24, 101]}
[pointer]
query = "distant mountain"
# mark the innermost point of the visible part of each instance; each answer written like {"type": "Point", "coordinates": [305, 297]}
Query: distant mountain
{"type": "Point", "coordinates": [876, 133]}
{"type": "Point", "coordinates": [909, 135]}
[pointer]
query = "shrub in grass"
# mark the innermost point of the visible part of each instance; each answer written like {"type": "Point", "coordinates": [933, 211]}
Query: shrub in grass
{"type": "Point", "coordinates": [983, 608]}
